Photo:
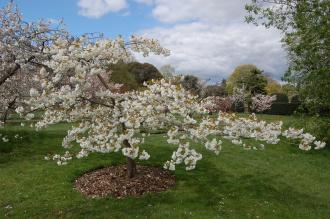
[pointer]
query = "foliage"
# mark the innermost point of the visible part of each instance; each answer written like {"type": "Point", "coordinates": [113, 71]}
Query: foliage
{"type": "Point", "coordinates": [214, 90]}
{"type": "Point", "coordinates": [167, 71]}
{"type": "Point", "coordinates": [133, 74]}
{"type": "Point", "coordinates": [305, 25]}
{"type": "Point", "coordinates": [238, 107]}
{"type": "Point", "coordinates": [144, 72]}
{"type": "Point", "coordinates": [295, 99]}
{"type": "Point", "coordinates": [249, 77]}
{"type": "Point", "coordinates": [121, 75]}
{"type": "Point", "coordinates": [282, 108]}
{"type": "Point", "coordinates": [281, 98]}
{"type": "Point", "coordinates": [273, 87]}
{"type": "Point", "coordinates": [192, 84]}
{"type": "Point", "coordinates": [281, 105]}
{"type": "Point", "coordinates": [290, 90]}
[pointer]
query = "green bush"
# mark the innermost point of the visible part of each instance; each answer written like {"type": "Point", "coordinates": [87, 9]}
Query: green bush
{"type": "Point", "coordinates": [281, 98]}
{"type": "Point", "coordinates": [282, 109]}
{"type": "Point", "coordinates": [238, 107]}
{"type": "Point", "coordinates": [295, 99]}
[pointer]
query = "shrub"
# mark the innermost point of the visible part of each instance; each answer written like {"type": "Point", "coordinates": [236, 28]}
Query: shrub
{"type": "Point", "coordinates": [282, 109]}
{"type": "Point", "coordinates": [238, 107]}
{"type": "Point", "coordinates": [281, 98]}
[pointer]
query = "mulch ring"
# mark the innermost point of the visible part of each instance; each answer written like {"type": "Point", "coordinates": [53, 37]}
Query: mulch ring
{"type": "Point", "coordinates": [113, 181]}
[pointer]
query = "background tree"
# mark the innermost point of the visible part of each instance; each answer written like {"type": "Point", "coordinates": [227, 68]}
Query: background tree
{"type": "Point", "coordinates": [306, 36]}
{"type": "Point", "coordinates": [168, 71]}
{"type": "Point", "coordinates": [144, 72]}
{"type": "Point", "coordinates": [250, 77]}
{"type": "Point", "coordinates": [192, 84]}
{"type": "Point", "coordinates": [273, 86]}
{"type": "Point", "coordinates": [290, 90]}
{"type": "Point", "coordinates": [133, 74]}
{"type": "Point", "coordinates": [214, 90]}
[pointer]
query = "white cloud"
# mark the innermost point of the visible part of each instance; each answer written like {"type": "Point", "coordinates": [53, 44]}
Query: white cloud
{"type": "Point", "coordinates": [98, 8]}
{"type": "Point", "coordinates": [148, 2]}
{"type": "Point", "coordinates": [210, 10]}
{"type": "Point", "coordinates": [209, 38]}
{"type": "Point", "coordinates": [210, 51]}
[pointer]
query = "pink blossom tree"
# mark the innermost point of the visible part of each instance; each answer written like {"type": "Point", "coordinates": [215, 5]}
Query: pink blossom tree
{"type": "Point", "coordinates": [262, 102]}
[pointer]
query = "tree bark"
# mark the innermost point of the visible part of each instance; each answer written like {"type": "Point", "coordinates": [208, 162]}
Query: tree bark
{"type": "Point", "coordinates": [10, 105]}
{"type": "Point", "coordinates": [131, 165]}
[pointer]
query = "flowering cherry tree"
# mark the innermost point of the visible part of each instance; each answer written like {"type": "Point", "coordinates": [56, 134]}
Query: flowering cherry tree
{"type": "Point", "coordinates": [22, 52]}
{"type": "Point", "coordinates": [107, 120]}
{"type": "Point", "coordinates": [215, 104]}
{"type": "Point", "coordinates": [262, 102]}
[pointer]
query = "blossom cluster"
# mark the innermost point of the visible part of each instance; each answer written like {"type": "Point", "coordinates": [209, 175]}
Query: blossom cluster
{"type": "Point", "coordinates": [216, 104]}
{"type": "Point", "coordinates": [22, 49]}
{"type": "Point", "coordinates": [306, 139]}
{"type": "Point", "coordinates": [262, 102]}
{"type": "Point", "coordinates": [61, 160]}
{"type": "Point", "coordinates": [237, 128]}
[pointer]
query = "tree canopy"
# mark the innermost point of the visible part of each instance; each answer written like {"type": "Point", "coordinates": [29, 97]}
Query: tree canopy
{"type": "Point", "coordinates": [133, 74]}
{"type": "Point", "coordinates": [249, 77]}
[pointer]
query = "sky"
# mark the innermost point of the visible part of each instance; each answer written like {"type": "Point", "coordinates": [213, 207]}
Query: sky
{"type": "Point", "coordinates": [207, 38]}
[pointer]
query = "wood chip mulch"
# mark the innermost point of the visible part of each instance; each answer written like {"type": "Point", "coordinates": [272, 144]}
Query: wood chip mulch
{"type": "Point", "coordinates": [113, 181]}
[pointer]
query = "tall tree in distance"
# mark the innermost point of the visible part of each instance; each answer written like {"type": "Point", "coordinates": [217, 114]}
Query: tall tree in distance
{"type": "Point", "coordinates": [249, 77]}
{"type": "Point", "coordinates": [168, 71]}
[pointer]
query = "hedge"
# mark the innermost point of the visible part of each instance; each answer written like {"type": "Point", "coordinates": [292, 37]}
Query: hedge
{"type": "Point", "coordinates": [282, 108]}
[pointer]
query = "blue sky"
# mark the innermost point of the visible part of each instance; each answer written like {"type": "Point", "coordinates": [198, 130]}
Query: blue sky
{"type": "Point", "coordinates": [207, 38]}
{"type": "Point", "coordinates": [125, 23]}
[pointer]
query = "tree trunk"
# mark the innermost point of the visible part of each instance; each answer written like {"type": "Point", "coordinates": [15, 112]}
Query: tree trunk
{"type": "Point", "coordinates": [10, 105]}
{"type": "Point", "coordinates": [131, 165]}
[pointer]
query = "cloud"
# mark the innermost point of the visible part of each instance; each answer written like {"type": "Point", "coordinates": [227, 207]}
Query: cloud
{"type": "Point", "coordinates": [98, 8]}
{"type": "Point", "coordinates": [209, 39]}
{"type": "Point", "coordinates": [147, 2]}
{"type": "Point", "coordinates": [171, 11]}
{"type": "Point", "coordinates": [210, 51]}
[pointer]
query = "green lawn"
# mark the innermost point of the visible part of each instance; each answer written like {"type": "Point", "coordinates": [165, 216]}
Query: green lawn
{"type": "Point", "coordinates": [279, 182]}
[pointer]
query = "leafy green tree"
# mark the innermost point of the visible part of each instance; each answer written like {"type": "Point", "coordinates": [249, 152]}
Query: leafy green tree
{"type": "Point", "coordinates": [167, 71]}
{"type": "Point", "coordinates": [191, 83]}
{"type": "Point", "coordinates": [290, 90]}
{"type": "Point", "coordinates": [249, 77]}
{"type": "Point", "coordinates": [306, 36]}
{"type": "Point", "coordinates": [214, 90]}
{"type": "Point", "coordinates": [144, 72]}
{"type": "Point", "coordinates": [132, 75]}
{"type": "Point", "coordinates": [273, 86]}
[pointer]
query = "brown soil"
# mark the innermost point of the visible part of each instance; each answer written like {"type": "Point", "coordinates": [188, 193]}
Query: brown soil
{"type": "Point", "coordinates": [113, 181]}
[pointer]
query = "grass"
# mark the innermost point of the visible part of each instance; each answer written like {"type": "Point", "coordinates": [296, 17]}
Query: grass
{"type": "Point", "coordinates": [279, 182]}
